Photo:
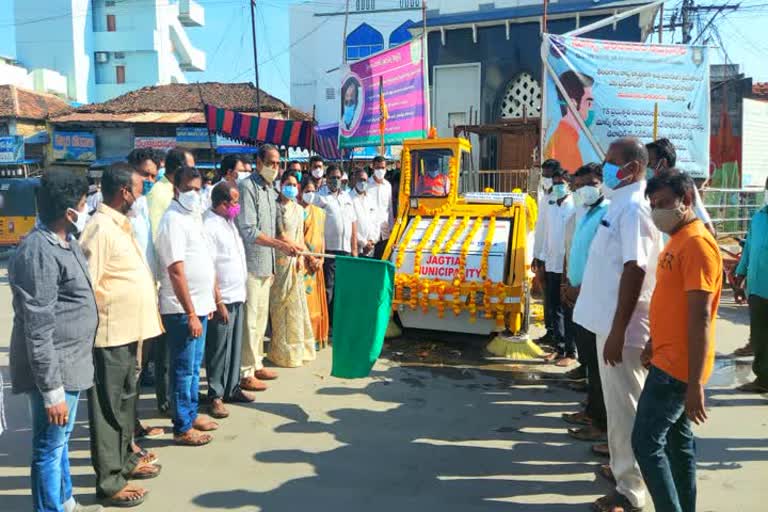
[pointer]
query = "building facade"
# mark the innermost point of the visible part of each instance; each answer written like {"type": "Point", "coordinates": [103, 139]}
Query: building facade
{"type": "Point", "coordinates": [317, 45]}
{"type": "Point", "coordinates": [106, 48]}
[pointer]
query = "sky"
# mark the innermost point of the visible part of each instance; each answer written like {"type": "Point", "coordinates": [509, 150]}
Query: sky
{"type": "Point", "coordinates": [226, 39]}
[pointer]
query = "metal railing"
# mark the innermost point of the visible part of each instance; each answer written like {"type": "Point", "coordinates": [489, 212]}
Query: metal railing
{"type": "Point", "coordinates": [732, 209]}
{"type": "Point", "coordinates": [503, 180]}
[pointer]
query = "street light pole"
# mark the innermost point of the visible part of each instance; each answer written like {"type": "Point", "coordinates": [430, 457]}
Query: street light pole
{"type": "Point", "coordinates": [255, 56]}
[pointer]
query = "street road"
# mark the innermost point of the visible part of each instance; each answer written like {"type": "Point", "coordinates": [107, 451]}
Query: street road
{"type": "Point", "coordinates": [435, 427]}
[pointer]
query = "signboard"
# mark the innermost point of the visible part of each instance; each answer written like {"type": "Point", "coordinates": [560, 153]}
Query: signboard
{"type": "Point", "coordinates": [11, 149]}
{"type": "Point", "coordinates": [402, 69]}
{"type": "Point", "coordinates": [754, 139]}
{"type": "Point", "coordinates": [193, 137]}
{"type": "Point", "coordinates": [74, 146]}
{"type": "Point", "coordinates": [443, 266]}
{"type": "Point", "coordinates": [613, 88]}
{"type": "Point", "coordinates": [158, 143]}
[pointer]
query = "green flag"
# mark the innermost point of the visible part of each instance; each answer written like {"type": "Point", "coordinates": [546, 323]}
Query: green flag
{"type": "Point", "coordinates": [362, 305]}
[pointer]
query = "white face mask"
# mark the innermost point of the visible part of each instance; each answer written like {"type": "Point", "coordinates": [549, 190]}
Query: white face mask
{"type": "Point", "coordinates": [269, 173]}
{"type": "Point", "coordinates": [318, 173]}
{"type": "Point", "coordinates": [379, 173]}
{"type": "Point", "coordinates": [191, 201]}
{"type": "Point", "coordinates": [308, 197]}
{"type": "Point", "coordinates": [546, 183]}
{"type": "Point", "coordinates": [242, 175]}
{"type": "Point", "coordinates": [82, 219]}
{"type": "Point", "coordinates": [587, 196]}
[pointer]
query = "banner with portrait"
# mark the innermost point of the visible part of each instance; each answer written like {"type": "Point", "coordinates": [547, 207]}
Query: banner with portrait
{"type": "Point", "coordinates": [402, 70]}
{"type": "Point", "coordinates": [597, 91]}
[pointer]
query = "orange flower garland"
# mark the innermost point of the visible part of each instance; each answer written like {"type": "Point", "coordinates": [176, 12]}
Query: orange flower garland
{"type": "Point", "coordinates": [442, 234]}
{"type": "Point", "coordinates": [460, 276]}
{"type": "Point", "coordinates": [455, 235]}
{"type": "Point", "coordinates": [487, 248]}
{"type": "Point", "coordinates": [406, 241]}
{"type": "Point", "coordinates": [423, 283]}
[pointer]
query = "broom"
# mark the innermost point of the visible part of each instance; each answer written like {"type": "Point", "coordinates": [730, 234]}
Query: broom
{"type": "Point", "coordinates": [517, 348]}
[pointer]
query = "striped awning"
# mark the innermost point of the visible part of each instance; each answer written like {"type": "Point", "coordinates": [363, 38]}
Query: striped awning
{"type": "Point", "coordinates": [258, 130]}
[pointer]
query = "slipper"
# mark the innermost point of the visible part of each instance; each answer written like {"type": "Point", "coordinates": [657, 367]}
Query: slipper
{"type": "Point", "coordinates": [124, 502]}
{"type": "Point", "coordinates": [205, 426]}
{"type": "Point", "coordinates": [614, 502]}
{"type": "Point", "coordinates": [147, 457]}
{"type": "Point", "coordinates": [606, 472]}
{"type": "Point", "coordinates": [577, 418]}
{"type": "Point", "coordinates": [148, 432]}
{"type": "Point", "coordinates": [145, 472]}
{"type": "Point", "coordinates": [601, 449]}
{"type": "Point", "coordinates": [192, 438]}
{"type": "Point", "coordinates": [565, 362]}
{"type": "Point", "coordinates": [589, 433]}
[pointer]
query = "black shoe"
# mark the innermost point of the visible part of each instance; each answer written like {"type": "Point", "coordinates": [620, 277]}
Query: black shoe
{"type": "Point", "coordinates": [578, 373]}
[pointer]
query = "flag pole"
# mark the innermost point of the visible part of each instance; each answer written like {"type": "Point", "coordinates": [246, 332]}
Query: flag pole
{"type": "Point", "coordinates": [255, 56]}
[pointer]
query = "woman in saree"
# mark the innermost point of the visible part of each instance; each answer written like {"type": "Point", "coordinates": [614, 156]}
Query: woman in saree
{"type": "Point", "coordinates": [292, 343]}
{"type": "Point", "coordinates": [314, 280]}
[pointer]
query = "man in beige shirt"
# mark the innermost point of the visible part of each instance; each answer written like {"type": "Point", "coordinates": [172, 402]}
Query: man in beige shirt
{"type": "Point", "coordinates": [128, 314]}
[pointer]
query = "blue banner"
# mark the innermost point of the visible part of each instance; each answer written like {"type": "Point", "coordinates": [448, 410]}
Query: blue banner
{"type": "Point", "coordinates": [11, 149]}
{"type": "Point", "coordinates": [74, 146]}
{"type": "Point", "coordinates": [613, 89]}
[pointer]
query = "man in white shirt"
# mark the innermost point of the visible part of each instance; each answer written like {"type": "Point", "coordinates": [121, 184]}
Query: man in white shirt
{"type": "Point", "coordinates": [381, 191]}
{"type": "Point", "coordinates": [368, 226]}
{"type": "Point", "coordinates": [614, 302]}
{"type": "Point", "coordinates": [559, 210]}
{"type": "Point", "coordinates": [317, 170]}
{"type": "Point", "coordinates": [340, 228]}
{"type": "Point", "coordinates": [224, 339]}
{"type": "Point", "coordinates": [187, 280]}
{"type": "Point", "coordinates": [537, 265]}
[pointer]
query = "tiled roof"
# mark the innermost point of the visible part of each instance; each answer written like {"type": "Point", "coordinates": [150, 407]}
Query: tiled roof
{"type": "Point", "coordinates": [25, 104]}
{"type": "Point", "coordinates": [176, 98]}
{"type": "Point", "coordinates": [760, 90]}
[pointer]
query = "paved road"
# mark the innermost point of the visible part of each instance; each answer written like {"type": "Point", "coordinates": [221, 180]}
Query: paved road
{"type": "Point", "coordinates": [435, 427]}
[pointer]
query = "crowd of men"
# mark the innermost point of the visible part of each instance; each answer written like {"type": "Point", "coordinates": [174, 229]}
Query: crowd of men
{"type": "Point", "coordinates": [631, 276]}
{"type": "Point", "coordinates": [159, 270]}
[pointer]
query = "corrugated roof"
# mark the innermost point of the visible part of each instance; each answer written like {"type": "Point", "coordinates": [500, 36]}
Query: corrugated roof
{"type": "Point", "coordinates": [25, 104]}
{"type": "Point", "coordinates": [141, 117]}
{"type": "Point", "coordinates": [176, 98]}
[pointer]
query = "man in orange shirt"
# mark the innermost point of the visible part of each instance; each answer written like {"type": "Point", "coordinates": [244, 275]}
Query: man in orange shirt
{"type": "Point", "coordinates": [434, 183]}
{"type": "Point", "coordinates": [564, 142]}
{"type": "Point", "coordinates": [682, 318]}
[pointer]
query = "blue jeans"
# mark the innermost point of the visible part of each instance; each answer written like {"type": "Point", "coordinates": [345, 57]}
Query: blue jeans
{"type": "Point", "coordinates": [186, 356]}
{"type": "Point", "coordinates": [664, 445]}
{"type": "Point", "coordinates": [51, 481]}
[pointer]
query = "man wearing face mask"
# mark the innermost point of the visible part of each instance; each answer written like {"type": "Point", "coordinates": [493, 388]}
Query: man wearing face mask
{"type": "Point", "coordinates": [368, 228]}
{"type": "Point", "coordinates": [380, 189]}
{"type": "Point", "coordinates": [591, 206]}
{"type": "Point", "coordinates": [54, 323]}
{"type": "Point", "coordinates": [162, 193]}
{"type": "Point", "coordinates": [260, 224]}
{"type": "Point", "coordinates": [433, 183]}
{"type": "Point", "coordinates": [187, 298]}
{"type": "Point", "coordinates": [537, 265]}
{"type": "Point", "coordinates": [613, 303]}
{"type": "Point", "coordinates": [223, 344]}
{"type": "Point", "coordinates": [689, 279]}
{"type": "Point", "coordinates": [127, 302]}
{"type": "Point", "coordinates": [340, 228]}
{"type": "Point", "coordinates": [663, 157]}
{"type": "Point", "coordinates": [559, 211]}
{"type": "Point", "coordinates": [317, 170]}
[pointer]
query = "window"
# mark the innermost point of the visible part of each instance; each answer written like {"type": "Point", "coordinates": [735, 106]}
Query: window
{"type": "Point", "coordinates": [365, 5]}
{"type": "Point", "coordinates": [429, 171]}
{"type": "Point", "coordinates": [119, 55]}
{"type": "Point", "coordinates": [363, 41]}
{"type": "Point", "coordinates": [410, 4]}
{"type": "Point", "coordinates": [330, 93]}
{"type": "Point", "coordinates": [401, 34]}
{"type": "Point", "coordinates": [111, 23]}
{"type": "Point", "coordinates": [120, 74]}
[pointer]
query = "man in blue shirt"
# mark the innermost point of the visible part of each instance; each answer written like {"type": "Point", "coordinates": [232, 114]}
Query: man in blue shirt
{"type": "Point", "coordinates": [754, 266]}
{"type": "Point", "coordinates": [589, 199]}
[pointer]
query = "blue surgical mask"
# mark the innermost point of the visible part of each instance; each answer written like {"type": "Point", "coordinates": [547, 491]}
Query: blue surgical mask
{"type": "Point", "coordinates": [611, 175]}
{"type": "Point", "coordinates": [146, 186]}
{"type": "Point", "coordinates": [433, 173]}
{"type": "Point", "coordinates": [298, 176]}
{"type": "Point", "coordinates": [559, 191]}
{"type": "Point", "coordinates": [290, 191]}
{"type": "Point", "coordinates": [590, 118]}
{"type": "Point", "coordinates": [349, 114]}
{"type": "Point", "coordinates": [160, 174]}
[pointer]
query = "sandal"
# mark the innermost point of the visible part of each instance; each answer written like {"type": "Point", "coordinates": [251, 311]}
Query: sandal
{"type": "Point", "coordinates": [145, 472]}
{"type": "Point", "coordinates": [147, 457]}
{"type": "Point", "coordinates": [601, 449]}
{"type": "Point", "coordinates": [565, 362]}
{"type": "Point", "coordinates": [614, 503]}
{"type": "Point", "coordinates": [202, 425]}
{"type": "Point", "coordinates": [127, 497]}
{"type": "Point", "coordinates": [606, 472]}
{"type": "Point", "coordinates": [192, 438]}
{"type": "Point", "coordinates": [577, 418]}
{"type": "Point", "coordinates": [589, 433]}
{"type": "Point", "coordinates": [148, 432]}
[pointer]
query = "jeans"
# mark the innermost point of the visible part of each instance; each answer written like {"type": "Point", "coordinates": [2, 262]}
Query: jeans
{"type": "Point", "coordinates": [186, 356]}
{"type": "Point", "coordinates": [664, 445]}
{"type": "Point", "coordinates": [51, 481]}
{"type": "Point", "coordinates": [558, 318]}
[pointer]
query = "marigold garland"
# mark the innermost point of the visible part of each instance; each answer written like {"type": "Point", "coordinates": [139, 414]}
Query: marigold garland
{"type": "Point", "coordinates": [423, 283]}
{"type": "Point", "coordinates": [444, 229]}
{"type": "Point", "coordinates": [487, 248]}
{"type": "Point", "coordinates": [455, 235]}
{"type": "Point", "coordinates": [406, 240]}
{"type": "Point", "coordinates": [460, 276]}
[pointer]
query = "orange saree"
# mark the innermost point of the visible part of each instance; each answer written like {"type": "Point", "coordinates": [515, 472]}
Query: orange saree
{"type": "Point", "coordinates": [314, 283]}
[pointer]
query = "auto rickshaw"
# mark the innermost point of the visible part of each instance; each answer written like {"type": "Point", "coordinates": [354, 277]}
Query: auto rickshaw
{"type": "Point", "coordinates": [18, 209]}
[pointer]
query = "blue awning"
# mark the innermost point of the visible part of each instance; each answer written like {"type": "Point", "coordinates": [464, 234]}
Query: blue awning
{"type": "Point", "coordinates": [21, 162]}
{"type": "Point", "coordinates": [104, 162]}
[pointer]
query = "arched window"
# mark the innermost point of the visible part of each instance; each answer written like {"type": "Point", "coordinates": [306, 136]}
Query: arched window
{"type": "Point", "coordinates": [401, 34]}
{"type": "Point", "coordinates": [522, 98]}
{"type": "Point", "coordinates": [363, 41]}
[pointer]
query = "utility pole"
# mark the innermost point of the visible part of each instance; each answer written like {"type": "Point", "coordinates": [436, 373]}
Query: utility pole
{"type": "Point", "coordinates": [255, 56]}
{"type": "Point", "coordinates": [686, 14]}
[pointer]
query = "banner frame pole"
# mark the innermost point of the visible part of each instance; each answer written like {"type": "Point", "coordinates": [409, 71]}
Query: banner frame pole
{"type": "Point", "coordinates": [612, 19]}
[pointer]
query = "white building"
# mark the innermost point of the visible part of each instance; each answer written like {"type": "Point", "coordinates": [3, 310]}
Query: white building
{"type": "Point", "coordinates": [317, 41]}
{"type": "Point", "coordinates": [106, 48]}
{"type": "Point", "coordinates": [38, 80]}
